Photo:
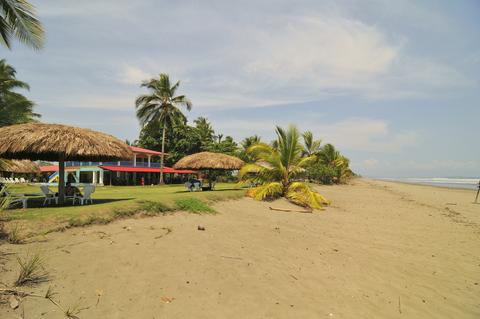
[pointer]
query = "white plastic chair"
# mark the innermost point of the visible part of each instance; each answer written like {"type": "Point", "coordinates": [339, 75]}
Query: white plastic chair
{"type": "Point", "coordinates": [22, 180]}
{"type": "Point", "coordinates": [17, 180]}
{"type": "Point", "coordinates": [196, 187]}
{"type": "Point", "coordinates": [49, 195]}
{"type": "Point", "coordinates": [188, 186]}
{"type": "Point", "coordinates": [87, 195]}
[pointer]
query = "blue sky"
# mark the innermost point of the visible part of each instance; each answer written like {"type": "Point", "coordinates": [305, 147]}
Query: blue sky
{"type": "Point", "coordinates": [393, 84]}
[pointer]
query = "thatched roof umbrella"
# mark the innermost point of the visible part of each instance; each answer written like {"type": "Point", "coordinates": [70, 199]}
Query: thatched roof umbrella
{"type": "Point", "coordinates": [209, 161]}
{"type": "Point", "coordinates": [54, 142]}
{"type": "Point", "coordinates": [20, 166]}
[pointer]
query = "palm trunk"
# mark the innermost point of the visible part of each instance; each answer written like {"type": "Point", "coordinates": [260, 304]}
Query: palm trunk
{"type": "Point", "coordinates": [162, 156]}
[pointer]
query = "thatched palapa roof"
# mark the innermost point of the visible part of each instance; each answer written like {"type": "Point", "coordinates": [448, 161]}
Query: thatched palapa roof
{"type": "Point", "coordinates": [209, 160]}
{"type": "Point", "coordinates": [51, 141]}
{"type": "Point", "coordinates": [19, 166]}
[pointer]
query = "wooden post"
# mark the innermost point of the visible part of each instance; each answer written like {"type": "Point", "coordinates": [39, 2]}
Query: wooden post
{"type": "Point", "coordinates": [478, 191]}
{"type": "Point", "coordinates": [61, 180]}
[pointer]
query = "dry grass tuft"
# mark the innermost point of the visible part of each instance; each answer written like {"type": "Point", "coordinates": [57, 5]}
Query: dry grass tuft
{"type": "Point", "coordinates": [31, 271]}
{"type": "Point", "coordinates": [14, 235]}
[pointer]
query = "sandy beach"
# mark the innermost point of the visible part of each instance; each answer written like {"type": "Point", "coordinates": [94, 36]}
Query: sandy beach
{"type": "Point", "coordinates": [382, 250]}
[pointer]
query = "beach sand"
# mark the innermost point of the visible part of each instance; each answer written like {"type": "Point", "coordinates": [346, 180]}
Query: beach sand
{"type": "Point", "coordinates": [382, 250]}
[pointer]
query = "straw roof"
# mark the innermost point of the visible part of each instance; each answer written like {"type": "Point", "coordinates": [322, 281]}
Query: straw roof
{"type": "Point", "coordinates": [208, 160]}
{"type": "Point", "coordinates": [16, 166]}
{"type": "Point", "coordinates": [50, 141]}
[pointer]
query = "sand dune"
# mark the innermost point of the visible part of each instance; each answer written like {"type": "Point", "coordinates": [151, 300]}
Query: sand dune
{"type": "Point", "coordinates": [382, 250]}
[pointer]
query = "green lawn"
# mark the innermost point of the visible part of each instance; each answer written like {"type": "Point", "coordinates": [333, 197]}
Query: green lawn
{"type": "Point", "coordinates": [111, 202]}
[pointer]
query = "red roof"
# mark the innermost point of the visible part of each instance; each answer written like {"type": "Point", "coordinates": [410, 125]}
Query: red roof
{"type": "Point", "coordinates": [136, 149]}
{"type": "Point", "coordinates": [146, 169]}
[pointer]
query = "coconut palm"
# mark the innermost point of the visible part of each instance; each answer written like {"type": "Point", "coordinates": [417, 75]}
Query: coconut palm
{"type": "Point", "coordinates": [14, 107]}
{"type": "Point", "coordinates": [277, 169]}
{"type": "Point", "coordinates": [205, 129]}
{"type": "Point", "coordinates": [17, 19]}
{"type": "Point", "coordinates": [162, 106]}
{"type": "Point", "coordinates": [310, 145]}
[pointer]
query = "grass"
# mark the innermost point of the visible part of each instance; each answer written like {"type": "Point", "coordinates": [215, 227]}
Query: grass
{"type": "Point", "coordinates": [114, 202]}
{"type": "Point", "coordinates": [31, 271]}
{"type": "Point", "coordinates": [14, 235]}
{"type": "Point", "coordinates": [193, 205]}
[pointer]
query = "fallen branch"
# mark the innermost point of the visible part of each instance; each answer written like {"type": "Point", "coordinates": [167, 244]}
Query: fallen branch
{"type": "Point", "coordinates": [292, 210]}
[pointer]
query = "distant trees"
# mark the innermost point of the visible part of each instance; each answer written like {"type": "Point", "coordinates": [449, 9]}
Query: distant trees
{"type": "Point", "coordinates": [162, 107]}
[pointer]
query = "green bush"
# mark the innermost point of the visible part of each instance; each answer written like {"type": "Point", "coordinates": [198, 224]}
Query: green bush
{"type": "Point", "coordinates": [150, 208]}
{"type": "Point", "coordinates": [322, 174]}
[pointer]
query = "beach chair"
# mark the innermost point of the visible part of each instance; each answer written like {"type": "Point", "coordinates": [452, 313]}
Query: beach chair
{"type": "Point", "coordinates": [49, 195]}
{"type": "Point", "coordinates": [87, 195]}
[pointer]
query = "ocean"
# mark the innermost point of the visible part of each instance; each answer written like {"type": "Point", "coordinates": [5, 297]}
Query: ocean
{"type": "Point", "coordinates": [466, 183]}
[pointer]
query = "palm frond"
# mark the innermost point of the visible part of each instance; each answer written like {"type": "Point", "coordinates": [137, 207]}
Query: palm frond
{"type": "Point", "coordinates": [268, 191]}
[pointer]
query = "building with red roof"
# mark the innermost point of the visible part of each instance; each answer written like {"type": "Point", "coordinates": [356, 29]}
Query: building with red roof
{"type": "Point", "coordinates": [143, 169]}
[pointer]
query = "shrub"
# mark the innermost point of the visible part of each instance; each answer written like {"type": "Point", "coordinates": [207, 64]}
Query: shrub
{"type": "Point", "coordinates": [150, 208]}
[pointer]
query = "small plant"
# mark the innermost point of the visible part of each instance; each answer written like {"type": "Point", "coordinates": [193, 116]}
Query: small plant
{"type": "Point", "coordinates": [32, 271]}
{"type": "Point", "coordinates": [193, 205]}
{"type": "Point", "coordinates": [150, 208]}
{"type": "Point", "coordinates": [14, 236]}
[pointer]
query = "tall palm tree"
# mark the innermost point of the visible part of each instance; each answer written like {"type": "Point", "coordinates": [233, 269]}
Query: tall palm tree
{"type": "Point", "coordinates": [18, 19]}
{"type": "Point", "coordinates": [277, 169]}
{"type": "Point", "coordinates": [162, 106]}
{"type": "Point", "coordinates": [310, 145]}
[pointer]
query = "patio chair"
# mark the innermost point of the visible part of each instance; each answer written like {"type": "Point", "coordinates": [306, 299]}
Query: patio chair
{"type": "Point", "coordinates": [22, 180]}
{"type": "Point", "coordinates": [87, 195]}
{"type": "Point", "coordinates": [17, 180]}
{"type": "Point", "coordinates": [189, 186]}
{"type": "Point", "coordinates": [197, 187]}
{"type": "Point", "coordinates": [49, 195]}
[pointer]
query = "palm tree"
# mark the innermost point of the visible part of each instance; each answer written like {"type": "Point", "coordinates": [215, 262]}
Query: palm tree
{"type": "Point", "coordinates": [17, 19]}
{"type": "Point", "coordinates": [14, 107]}
{"type": "Point", "coordinates": [277, 169]}
{"type": "Point", "coordinates": [162, 106]}
{"type": "Point", "coordinates": [310, 146]}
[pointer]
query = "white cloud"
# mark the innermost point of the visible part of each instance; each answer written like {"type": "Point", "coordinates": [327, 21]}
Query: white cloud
{"type": "Point", "coordinates": [132, 75]}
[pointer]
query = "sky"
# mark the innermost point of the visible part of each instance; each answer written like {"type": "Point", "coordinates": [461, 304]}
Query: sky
{"type": "Point", "coordinates": [394, 85]}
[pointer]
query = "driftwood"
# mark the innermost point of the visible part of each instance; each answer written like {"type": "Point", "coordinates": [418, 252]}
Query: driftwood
{"type": "Point", "coordinates": [291, 210]}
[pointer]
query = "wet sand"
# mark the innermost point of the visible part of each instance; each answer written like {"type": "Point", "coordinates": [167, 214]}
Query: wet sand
{"type": "Point", "coordinates": [382, 250]}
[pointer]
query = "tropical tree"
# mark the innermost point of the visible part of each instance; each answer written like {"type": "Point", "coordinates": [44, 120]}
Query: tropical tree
{"type": "Point", "coordinates": [14, 107]}
{"type": "Point", "coordinates": [18, 19]}
{"type": "Point", "coordinates": [245, 144]}
{"type": "Point", "coordinates": [205, 129]}
{"type": "Point", "coordinates": [162, 106]}
{"type": "Point", "coordinates": [310, 145]}
{"type": "Point", "coordinates": [277, 169]}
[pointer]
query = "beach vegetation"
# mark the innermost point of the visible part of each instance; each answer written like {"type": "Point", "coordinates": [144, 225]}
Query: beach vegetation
{"type": "Point", "coordinates": [277, 170]}
{"type": "Point", "coordinates": [193, 205]}
{"type": "Point", "coordinates": [32, 270]}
